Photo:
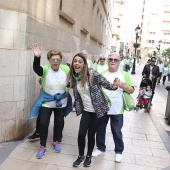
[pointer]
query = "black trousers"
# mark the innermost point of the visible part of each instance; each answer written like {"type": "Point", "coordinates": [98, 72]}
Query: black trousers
{"type": "Point", "coordinates": [88, 124]}
{"type": "Point", "coordinates": [164, 78]}
{"type": "Point", "coordinates": [44, 120]}
{"type": "Point", "coordinates": [37, 129]}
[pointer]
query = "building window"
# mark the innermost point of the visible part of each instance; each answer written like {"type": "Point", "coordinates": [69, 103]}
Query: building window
{"type": "Point", "coordinates": [166, 42]}
{"type": "Point", "coordinates": [152, 33]}
{"type": "Point", "coordinates": [166, 33]}
{"type": "Point", "coordinates": [150, 41]}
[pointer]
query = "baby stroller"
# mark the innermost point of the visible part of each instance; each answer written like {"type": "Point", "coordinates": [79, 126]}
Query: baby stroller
{"type": "Point", "coordinates": [144, 83]}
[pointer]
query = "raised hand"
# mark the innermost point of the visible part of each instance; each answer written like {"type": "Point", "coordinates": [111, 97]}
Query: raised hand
{"type": "Point", "coordinates": [115, 83]}
{"type": "Point", "coordinates": [118, 83]}
{"type": "Point", "coordinates": [36, 49]}
{"type": "Point", "coordinates": [68, 63]}
{"type": "Point", "coordinates": [96, 59]}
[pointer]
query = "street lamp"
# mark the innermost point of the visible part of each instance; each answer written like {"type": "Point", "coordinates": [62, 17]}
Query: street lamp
{"type": "Point", "coordinates": [136, 45]}
{"type": "Point", "coordinates": [158, 47]}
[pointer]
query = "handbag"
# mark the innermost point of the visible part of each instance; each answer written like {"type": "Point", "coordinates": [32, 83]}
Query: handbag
{"type": "Point", "coordinates": [128, 102]}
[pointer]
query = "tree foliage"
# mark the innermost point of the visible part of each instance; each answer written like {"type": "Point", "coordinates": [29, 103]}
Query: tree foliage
{"type": "Point", "coordinates": [167, 52]}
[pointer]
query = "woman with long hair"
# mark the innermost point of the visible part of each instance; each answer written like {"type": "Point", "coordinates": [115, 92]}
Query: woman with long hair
{"type": "Point", "coordinates": [90, 102]}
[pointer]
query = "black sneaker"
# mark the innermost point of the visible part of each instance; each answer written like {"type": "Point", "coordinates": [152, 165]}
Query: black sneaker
{"type": "Point", "coordinates": [79, 161]}
{"type": "Point", "coordinates": [34, 137]}
{"type": "Point", "coordinates": [141, 106]}
{"type": "Point", "coordinates": [87, 161]}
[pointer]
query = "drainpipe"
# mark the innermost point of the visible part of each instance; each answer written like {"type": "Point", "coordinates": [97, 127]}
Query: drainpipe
{"type": "Point", "coordinates": [167, 113]}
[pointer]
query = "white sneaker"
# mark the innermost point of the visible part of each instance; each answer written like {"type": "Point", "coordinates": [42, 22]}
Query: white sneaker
{"type": "Point", "coordinates": [118, 157]}
{"type": "Point", "coordinates": [97, 152]}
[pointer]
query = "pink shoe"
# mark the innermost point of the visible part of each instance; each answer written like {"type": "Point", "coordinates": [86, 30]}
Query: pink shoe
{"type": "Point", "coordinates": [56, 146]}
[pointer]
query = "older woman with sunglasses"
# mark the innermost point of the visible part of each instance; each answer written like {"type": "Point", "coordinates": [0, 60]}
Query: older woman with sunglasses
{"type": "Point", "coordinates": [100, 63]}
{"type": "Point", "coordinates": [53, 77]}
{"type": "Point", "coordinates": [90, 102]}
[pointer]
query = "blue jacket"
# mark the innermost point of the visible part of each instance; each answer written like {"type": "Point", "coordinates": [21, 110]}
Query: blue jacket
{"type": "Point", "coordinates": [45, 97]}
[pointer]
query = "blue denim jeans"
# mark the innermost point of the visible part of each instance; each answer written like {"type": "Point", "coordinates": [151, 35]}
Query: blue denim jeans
{"type": "Point", "coordinates": [168, 76]}
{"type": "Point", "coordinates": [116, 123]}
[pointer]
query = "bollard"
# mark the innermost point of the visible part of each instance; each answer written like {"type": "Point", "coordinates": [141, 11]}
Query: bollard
{"type": "Point", "coordinates": [167, 113]}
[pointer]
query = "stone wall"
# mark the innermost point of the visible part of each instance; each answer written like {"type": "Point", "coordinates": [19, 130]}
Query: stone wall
{"type": "Point", "coordinates": [66, 25]}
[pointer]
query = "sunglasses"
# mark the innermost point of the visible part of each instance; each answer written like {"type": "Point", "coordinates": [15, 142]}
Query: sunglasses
{"type": "Point", "coordinates": [113, 60]}
{"type": "Point", "coordinates": [102, 58]}
{"type": "Point", "coordinates": [55, 60]}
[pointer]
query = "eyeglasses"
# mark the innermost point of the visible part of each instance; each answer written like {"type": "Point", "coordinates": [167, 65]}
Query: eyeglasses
{"type": "Point", "coordinates": [102, 58]}
{"type": "Point", "coordinates": [115, 60]}
{"type": "Point", "coordinates": [55, 60]}
{"type": "Point", "coordinates": [153, 61]}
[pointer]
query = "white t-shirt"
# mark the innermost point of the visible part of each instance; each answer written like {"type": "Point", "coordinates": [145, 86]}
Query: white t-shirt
{"type": "Point", "coordinates": [151, 68]}
{"type": "Point", "coordinates": [127, 61]}
{"type": "Point", "coordinates": [89, 63]}
{"type": "Point", "coordinates": [165, 71]}
{"type": "Point", "coordinates": [85, 96]}
{"type": "Point", "coordinates": [160, 67]}
{"type": "Point", "coordinates": [55, 83]}
{"type": "Point", "coordinates": [115, 97]}
{"type": "Point", "coordinates": [121, 66]}
{"type": "Point", "coordinates": [101, 68]}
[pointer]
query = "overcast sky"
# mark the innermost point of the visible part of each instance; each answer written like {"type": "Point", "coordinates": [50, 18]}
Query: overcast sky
{"type": "Point", "coordinates": [131, 18]}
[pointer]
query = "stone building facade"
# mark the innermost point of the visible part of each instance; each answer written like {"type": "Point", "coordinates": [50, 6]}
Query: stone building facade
{"type": "Point", "coordinates": [66, 25]}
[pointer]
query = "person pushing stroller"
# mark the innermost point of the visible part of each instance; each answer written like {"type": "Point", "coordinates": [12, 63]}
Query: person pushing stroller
{"type": "Point", "coordinates": [151, 71]}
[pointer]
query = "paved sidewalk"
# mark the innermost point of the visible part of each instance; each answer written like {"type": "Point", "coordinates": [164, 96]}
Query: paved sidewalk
{"type": "Point", "coordinates": [145, 138]}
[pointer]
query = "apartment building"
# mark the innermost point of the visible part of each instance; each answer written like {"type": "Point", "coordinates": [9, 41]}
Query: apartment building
{"type": "Point", "coordinates": [155, 26]}
{"type": "Point", "coordinates": [117, 23]}
{"type": "Point", "coordinates": [165, 31]}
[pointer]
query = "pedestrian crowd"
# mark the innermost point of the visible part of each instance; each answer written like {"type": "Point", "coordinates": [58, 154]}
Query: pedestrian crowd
{"type": "Point", "coordinates": [98, 89]}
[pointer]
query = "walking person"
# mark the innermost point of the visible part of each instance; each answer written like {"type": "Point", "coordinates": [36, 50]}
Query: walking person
{"type": "Point", "coordinates": [165, 73]}
{"type": "Point", "coordinates": [115, 114]}
{"type": "Point", "coordinates": [151, 71]}
{"type": "Point", "coordinates": [169, 73]}
{"type": "Point", "coordinates": [127, 63]}
{"type": "Point", "coordinates": [89, 62]}
{"type": "Point", "coordinates": [122, 66]}
{"type": "Point", "coordinates": [53, 77]}
{"type": "Point", "coordinates": [160, 65]}
{"type": "Point", "coordinates": [90, 102]}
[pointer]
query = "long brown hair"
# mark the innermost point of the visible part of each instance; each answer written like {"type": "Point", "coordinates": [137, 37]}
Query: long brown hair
{"type": "Point", "coordinates": [72, 74]}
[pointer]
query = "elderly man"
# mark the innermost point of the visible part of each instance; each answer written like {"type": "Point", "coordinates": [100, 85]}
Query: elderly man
{"type": "Point", "coordinates": [100, 63]}
{"type": "Point", "coordinates": [122, 66]}
{"type": "Point", "coordinates": [89, 62]}
{"type": "Point", "coordinates": [115, 114]}
{"type": "Point", "coordinates": [127, 63]}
